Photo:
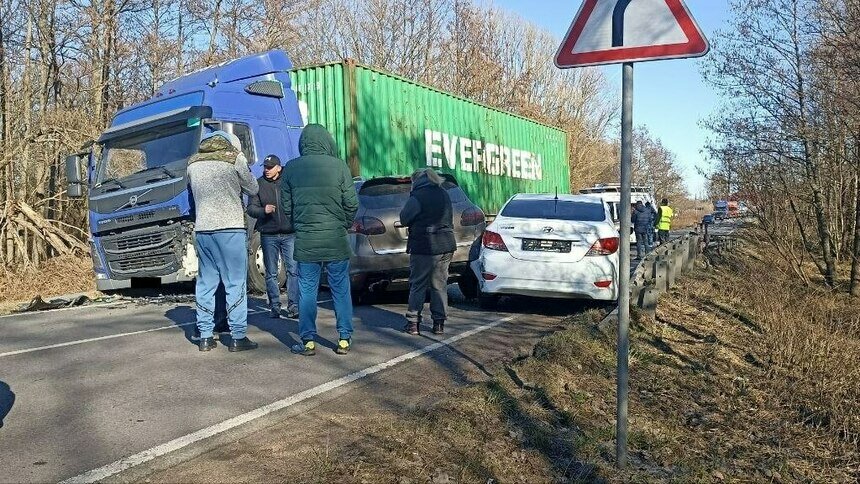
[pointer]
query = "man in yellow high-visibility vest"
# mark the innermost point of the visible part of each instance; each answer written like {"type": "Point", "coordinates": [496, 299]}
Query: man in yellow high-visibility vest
{"type": "Point", "coordinates": [664, 221]}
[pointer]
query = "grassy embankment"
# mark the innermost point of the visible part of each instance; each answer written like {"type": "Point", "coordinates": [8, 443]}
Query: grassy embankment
{"type": "Point", "coordinates": [746, 375]}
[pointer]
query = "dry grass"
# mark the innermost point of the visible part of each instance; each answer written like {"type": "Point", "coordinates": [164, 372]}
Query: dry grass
{"type": "Point", "coordinates": [745, 376]}
{"type": "Point", "coordinates": [59, 275]}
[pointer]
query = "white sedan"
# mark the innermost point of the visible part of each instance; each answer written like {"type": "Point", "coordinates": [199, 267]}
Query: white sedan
{"type": "Point", "coordinates": [562, 246]}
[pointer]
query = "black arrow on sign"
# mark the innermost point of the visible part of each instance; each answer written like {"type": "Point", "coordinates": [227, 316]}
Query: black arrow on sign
{"type": "Point", "coordinates": [618, 23]}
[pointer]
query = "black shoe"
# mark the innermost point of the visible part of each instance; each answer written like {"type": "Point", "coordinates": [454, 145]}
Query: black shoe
{"type": "Point", "coordinates": [439, 327]}
{"type": "Point", "coordinates": [195, 336]}
{"type": "Point", "coordinates": [412, 328]}
{"type": "Point", "coordinates": [293, 312]}
{"type": "Point", "coordinates": [275, 313]}
{"type": "Point", "coordinates": [207, 344]}
{"type": "Point", "coordinates": [243, 344]}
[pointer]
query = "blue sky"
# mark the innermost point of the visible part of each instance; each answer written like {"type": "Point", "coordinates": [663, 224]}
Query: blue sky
{"type": "Point", "coordinates": [670, 97]}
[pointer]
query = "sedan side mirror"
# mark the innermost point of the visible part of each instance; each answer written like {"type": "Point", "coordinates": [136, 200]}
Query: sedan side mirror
{"type": "Point", "coordinates": [75, 188]}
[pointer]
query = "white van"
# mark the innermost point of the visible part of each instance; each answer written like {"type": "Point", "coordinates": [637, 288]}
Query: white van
{"type": "Point", "coordinates": [611, 195]}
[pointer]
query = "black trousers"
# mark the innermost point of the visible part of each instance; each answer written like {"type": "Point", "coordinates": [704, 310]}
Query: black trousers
{"type": "Point", "coordinates": [428, 272]}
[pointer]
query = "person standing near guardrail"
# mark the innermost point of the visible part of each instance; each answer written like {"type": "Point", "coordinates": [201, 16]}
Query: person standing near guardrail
{"type": "Point", "coordinates": [652, 230]}
{"type": "Point", "coordinates": [318, 197]}
{"type": "Point", "coordinates": [277, 237]}
{"type": "Point", "coordinates": [218, 175]}
{"type": "Point", "coordinates": [642, 224]}
{"type": "Point", "coordinates": [429, 215]}
{"type": "Point", "coordinates": [664, 220]}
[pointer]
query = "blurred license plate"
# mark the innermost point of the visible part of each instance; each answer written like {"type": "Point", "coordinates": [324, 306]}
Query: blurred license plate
{"type": "Point", "coordinates": [537, 245]}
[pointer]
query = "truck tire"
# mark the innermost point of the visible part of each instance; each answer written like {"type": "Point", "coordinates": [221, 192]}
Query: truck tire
{"type": "Point", "coordinates": [256, 270]}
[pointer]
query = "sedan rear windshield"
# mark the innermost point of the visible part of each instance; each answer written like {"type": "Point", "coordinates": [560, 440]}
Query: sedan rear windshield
{"type": "Point", "coordinates": [555, 210]}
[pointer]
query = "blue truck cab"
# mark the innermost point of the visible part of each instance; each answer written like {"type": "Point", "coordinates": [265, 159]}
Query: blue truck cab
{"type": "Point", "coordinates": [140, 217]}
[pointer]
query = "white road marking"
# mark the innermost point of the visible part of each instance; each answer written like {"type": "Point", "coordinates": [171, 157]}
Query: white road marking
{"type": "Point", "coordinates": [125, 463]}
{"type": "Point", "coordinates": [90, 340]}
{"type": "Point", "coordinates": [111, 336]}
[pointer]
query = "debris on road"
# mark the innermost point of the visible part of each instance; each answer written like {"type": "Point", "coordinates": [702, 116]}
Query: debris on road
{"type": "Point", "coordinates": [39, 304]}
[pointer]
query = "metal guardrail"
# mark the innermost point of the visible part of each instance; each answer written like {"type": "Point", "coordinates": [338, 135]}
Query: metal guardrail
{"type": "Point", "coordinates": [659, 270]}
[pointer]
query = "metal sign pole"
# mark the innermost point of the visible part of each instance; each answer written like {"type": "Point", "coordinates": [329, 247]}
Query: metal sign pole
{"type": "Point", "coordinates": [624, 264]}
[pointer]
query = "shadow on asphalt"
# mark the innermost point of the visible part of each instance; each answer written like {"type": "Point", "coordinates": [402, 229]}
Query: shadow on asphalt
{"type": "Point", "coordinates": [7, 400]}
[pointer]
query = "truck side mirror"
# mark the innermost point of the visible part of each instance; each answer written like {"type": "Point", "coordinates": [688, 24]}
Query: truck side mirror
{"type": "Point", "coordinates": [75, 187]}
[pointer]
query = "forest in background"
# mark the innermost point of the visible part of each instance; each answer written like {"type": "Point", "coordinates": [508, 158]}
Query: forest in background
{"type": "Point", "coordinates": [66, 66]}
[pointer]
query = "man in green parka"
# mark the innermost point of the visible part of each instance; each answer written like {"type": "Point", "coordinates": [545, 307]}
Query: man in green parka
{"type": "Point", "coordinates": [318, 195]}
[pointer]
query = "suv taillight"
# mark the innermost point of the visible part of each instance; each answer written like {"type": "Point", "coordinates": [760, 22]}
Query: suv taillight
{"type": "Point", "coordinates": [367, 226]}
{"type": "Point", "coordinates": [471, 217]}
{"type": "Point", "coordinates": [493, 241]}
{"type": "Point", "coordinates": [604, 247]}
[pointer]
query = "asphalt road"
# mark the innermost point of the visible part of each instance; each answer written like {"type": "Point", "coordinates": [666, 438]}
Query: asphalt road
{"type": "Point", "coordinates": [91, 386]}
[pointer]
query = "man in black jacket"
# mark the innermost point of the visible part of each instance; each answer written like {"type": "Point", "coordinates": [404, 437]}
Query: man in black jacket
{"type": "Point", "coordinates": [277, 237]}
{"type": "Point", "coordinates": [431, 245]}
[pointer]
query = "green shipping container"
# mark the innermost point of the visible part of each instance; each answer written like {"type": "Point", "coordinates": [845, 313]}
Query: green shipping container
{"type": "Point", "coordinates": [387, 125]}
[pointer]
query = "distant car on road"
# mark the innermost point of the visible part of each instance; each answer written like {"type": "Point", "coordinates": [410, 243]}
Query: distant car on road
{"type": "Point", "coordinates": [563, 246]}
{"type": "Point", "coordinates": [378, 239]}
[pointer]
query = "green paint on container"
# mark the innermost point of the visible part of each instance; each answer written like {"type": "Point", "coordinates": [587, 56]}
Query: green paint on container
{"type": "Point", "coordinates": [387, 125]}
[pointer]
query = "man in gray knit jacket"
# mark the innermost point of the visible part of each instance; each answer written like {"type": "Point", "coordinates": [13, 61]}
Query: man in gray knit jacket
{"type": "Point", "coordinates": [218, 175]}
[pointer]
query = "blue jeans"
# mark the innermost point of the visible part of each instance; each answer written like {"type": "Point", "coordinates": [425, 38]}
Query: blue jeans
{"type": "Point", "coordinates": [222, 258]}
{"type": "Point", "coordinates": [275, 247]}
{"type": "Point", "coordinates": [642, 246]}
{"type": "Point", "coordinates": [650, 238]}
{"type": "Point", "coordinates": [338, 282]}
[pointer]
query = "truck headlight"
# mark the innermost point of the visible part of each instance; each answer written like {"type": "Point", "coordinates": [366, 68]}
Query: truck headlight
{"type": "Point", "coordinates": [98, 267]}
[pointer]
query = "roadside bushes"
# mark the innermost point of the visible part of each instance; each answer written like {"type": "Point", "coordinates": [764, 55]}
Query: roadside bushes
{"type": "Point", "coordinates": [809, 340]}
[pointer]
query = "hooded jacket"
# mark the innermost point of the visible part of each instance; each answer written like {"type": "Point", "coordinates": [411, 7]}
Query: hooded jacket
{"type": "Point", "coordinates": [642, 221]}
{"type": "Point", "coordinates": [318, 197]}
{"type": "Point", "coordinates": [218, 175]}
{"type": "Point", "coordinates": [429, 215]}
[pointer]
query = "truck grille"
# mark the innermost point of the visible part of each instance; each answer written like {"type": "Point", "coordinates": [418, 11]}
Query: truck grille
{"type": "Point", "coordinates": [148, 252]}
{"type": "Point", "coordinates": [145, 241]}
{"type": "Point", "coordinates": [149, 263]}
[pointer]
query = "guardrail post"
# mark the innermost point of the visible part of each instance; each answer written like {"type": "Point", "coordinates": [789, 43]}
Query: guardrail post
{"type": "Point", "coordinates": [672, 271]}
{"type": "Point", "coordinates": [647, 300]}
{"type": "Point", "coordinates": [677, 260]}
{"type": "Point", "coordinates": [683, 252]}
{"type": "Point", "coordinates": [648, 267]}
{"type": "Point", "coordinates": [694, 247]}
{"type": "Point", "coordinates": [661, 274]}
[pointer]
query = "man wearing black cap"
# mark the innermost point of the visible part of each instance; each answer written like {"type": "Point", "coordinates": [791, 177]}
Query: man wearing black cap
{"type": "Point", "coordinates": [277, 237]}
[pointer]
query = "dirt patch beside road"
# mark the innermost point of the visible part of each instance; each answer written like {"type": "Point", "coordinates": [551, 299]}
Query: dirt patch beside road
{"type": "Point", "coordinates": [59, 275]}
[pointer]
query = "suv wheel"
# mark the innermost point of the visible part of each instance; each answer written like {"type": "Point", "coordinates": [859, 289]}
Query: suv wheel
{"type": "Point", "coordinates": [468, 284]}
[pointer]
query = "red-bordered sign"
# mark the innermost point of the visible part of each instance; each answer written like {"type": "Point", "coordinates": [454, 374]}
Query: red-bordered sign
{"type": "Point", "coordinates": [695, 45]}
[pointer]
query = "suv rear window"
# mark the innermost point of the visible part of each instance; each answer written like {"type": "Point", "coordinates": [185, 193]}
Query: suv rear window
{"type": "Point", "coordinates": [384, 193]}
{"type": "Point", "coordinates": [386, 190]}
{"type": "Point", "coordinates": [555, 210]}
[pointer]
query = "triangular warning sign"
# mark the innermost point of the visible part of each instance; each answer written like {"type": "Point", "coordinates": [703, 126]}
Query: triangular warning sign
{"type": "Point", "coordinates": [615, 31]}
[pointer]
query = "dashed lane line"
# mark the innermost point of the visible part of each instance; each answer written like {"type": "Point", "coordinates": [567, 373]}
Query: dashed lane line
{"type": "Point", "coordinates": [125, 463]}
{"type": "Point", "coordinates": [110, 336]}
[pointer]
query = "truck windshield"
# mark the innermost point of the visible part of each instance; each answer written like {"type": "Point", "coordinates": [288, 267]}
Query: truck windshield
{"type": "Point", "coordinates": [158, 146]}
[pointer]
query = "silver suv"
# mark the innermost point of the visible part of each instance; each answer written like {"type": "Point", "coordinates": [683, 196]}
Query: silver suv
{"type": "Point", "coordinates": [378, 239]}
